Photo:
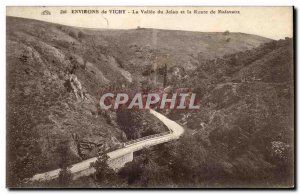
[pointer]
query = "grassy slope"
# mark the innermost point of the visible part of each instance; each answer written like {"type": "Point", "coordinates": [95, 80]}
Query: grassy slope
{"type": "Point", "coordinates": [42, 114]}
{"type": "Point", "coordinates": [245, 125]}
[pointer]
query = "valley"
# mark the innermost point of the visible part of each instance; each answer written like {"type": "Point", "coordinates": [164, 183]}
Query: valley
{"type": "Point", "coordinates": [57, 74]}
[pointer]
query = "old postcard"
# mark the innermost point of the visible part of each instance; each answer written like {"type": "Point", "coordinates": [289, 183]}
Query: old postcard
{"type": "Point", "coordinates": [150, 97]}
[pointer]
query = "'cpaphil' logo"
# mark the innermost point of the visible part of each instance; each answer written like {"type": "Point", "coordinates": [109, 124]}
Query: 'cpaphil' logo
{"type": "Point", "coordinates": [158, 99]}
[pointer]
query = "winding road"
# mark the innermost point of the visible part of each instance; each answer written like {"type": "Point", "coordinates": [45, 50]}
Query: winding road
{"type": "Point", "coordinates": [175, 132]}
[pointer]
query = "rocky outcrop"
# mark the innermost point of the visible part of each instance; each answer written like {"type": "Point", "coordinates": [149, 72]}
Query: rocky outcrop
{"type": "Point", "coordinates": [76, 87]}
{"type": "Point", "coordinates": [95, 146]}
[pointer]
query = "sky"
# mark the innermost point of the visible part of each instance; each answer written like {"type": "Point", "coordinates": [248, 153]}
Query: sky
{"type": "Point", "coordinates": [271, 22]}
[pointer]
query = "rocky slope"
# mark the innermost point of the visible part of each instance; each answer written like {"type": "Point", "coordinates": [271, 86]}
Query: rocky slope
{"type": "Point", "coordinates": [55, 74]}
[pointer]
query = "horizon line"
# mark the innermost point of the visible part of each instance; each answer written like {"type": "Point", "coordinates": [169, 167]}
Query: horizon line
{"type": "Point", "coordinates": [141, 28]}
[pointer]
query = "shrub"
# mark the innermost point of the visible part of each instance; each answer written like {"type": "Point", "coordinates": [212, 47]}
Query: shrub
{"type": "Point", "coordinates": [73, 34]}
{"type": "Point", "coordinates": [226, 33]}
{"type": "Point", "coordinates": [64, 177]}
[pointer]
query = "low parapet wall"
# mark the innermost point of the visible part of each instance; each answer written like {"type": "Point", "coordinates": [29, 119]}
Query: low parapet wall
{"type": "Point", "coordinates": [118, 158]}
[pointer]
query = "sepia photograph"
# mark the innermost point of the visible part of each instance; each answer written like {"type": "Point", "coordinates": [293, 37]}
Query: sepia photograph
{"type": "Point", "coordinates": [150, 97]}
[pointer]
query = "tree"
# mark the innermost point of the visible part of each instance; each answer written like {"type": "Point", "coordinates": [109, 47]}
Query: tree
{"type": "Point", "coordinates": [65, 160]}
{"type": "Point", "coordinates": [165, 75]}
{"type": "Point", "coordinates": [81, 35]}
{"type": "Point", "coordinates": [104, 174]}
{"type": "Point", "coordinates": [226, 33]}
{"type": "Point", "coordinates": [64, 177]}
{"type": "Point", "coordinates": [161, 66]}
{"type": "Point", "coordinates": [130, 122]}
